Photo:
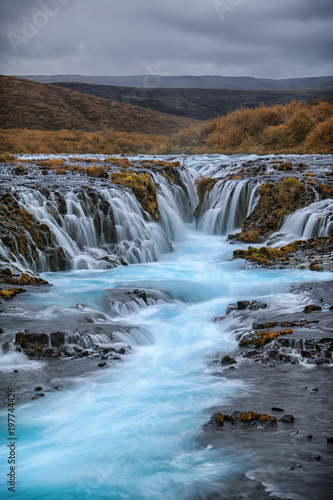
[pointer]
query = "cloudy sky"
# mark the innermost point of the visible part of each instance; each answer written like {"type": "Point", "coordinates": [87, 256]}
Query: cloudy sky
{"type": "Point", "coordinates": [261, 38]}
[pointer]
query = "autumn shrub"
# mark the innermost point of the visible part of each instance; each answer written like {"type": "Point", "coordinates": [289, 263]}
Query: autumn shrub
{"type": "Point", "coordinates": [97, 171]}
{"type": "Point", "coordinates": [320, 139]}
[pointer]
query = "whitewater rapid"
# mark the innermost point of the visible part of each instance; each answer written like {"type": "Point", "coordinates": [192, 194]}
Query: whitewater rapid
{"type": "Point", "coordinates": [131, 430]}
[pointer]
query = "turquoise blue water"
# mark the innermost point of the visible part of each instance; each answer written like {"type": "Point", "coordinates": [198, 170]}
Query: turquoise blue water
{"type": "Point", "coordinates": [129, 432]}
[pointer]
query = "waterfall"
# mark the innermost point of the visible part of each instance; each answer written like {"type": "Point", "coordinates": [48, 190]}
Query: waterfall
{"type": "Point", "coordinates": [315, 220]}
{"type": "Point", "coordinates": [90, 227]}
{"type": "Point", "coordinates": [95, 228]}
{"type": "Point", "coordinates": [176, 202]}
{"type": "Point", "coordinates": [226, 206]}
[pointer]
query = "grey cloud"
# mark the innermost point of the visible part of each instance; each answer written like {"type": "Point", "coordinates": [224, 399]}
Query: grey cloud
{"type": "Point", "coordinates": [264, 38]}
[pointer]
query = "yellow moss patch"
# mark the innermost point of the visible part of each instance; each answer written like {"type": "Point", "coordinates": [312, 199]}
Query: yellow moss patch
{"type": "Point", "coordinates": [248, 417]}
{"type": "Point", "coordinates": [264, 418]}
{"type": "Point", "coordinates": [265, 338]}
{"type": "Point", "coordinates": [143, 188]}
{"type": "Point", "coordinates": [9, 294]}
{"type": "Point", "coordinates": [219, 419]}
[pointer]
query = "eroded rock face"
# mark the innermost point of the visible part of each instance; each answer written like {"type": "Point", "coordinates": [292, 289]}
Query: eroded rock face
{"type": "Point", "coordinates": [63, 345]}
{"type": "Point", "coordinates": [275, 203]}
{"type": "Point", "coordinates": [22, 234]}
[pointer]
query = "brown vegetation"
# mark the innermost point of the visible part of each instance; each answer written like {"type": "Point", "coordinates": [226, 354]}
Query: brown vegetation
{"type": "Point", "coordinates": [39, 106]}
{"type": "Point", "coordinates": [293, 128]}
{"type": "Point", "coordinates": [275, 203]}
{"type": "Point", "coordinates": [268, 256]}
{"type": "Point", "coordinates": [79, 142]}
{"type": "Point", "coordinates": [143, 188]}
{"type": "Point", "coordinates": [41, 118]}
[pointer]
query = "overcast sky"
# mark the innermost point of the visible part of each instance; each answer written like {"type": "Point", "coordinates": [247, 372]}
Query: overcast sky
{"type": "Point", "coordinates": [261, 38]}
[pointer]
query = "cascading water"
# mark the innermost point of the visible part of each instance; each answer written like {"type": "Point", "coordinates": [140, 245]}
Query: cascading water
{"type": "Point", "coordinates": [91, 226]}
{"type": "Point", "coordinates": [176, 203]}
{"type": "Point", "coordinates": [315, 220]}
{"type": "Point", "coordinates": [130, 432]}
{"type": "Point", "coordinates": [225, 207]}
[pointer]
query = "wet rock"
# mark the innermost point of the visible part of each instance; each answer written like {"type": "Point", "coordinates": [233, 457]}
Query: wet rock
{"type": "Point", "coordinates": [296, 466]}
{"type": "Point", "coordinates": [37, 396]}
{"type": "Point", "coordinates": [84, 354]}
{"type": "Point", "coordinates": [50, 352]}
{"type": "Point", "coordinates": [31, 340]}
{"type": "Point", "coordinates": [103, 364]}
{"type": "Point", "coordinates": [122, 350]}
{"type": "Point", "coordinates": [274, 408]}
{"type": "Point", "coordinates": [242, 304]}
{"type": "Point", "coordinates": [330, 440]}
{"type": "Point", "coordinates": [228, 360]}
{"type": "Point", "coordinates": [123, 300]}
{"type": "Point", "coordinates": [38, 388]}
{"type": "Point", "coordinates": [11, 293]}
{"type": "Point", "coordinates": [245, 418]}
{"type": "Point", "coordinates": [57, 339]}
{"type": "Point", "coordinates": [67, 350]}
{"type": "Point", "coordinates": [217, 418]}
{"type": "Point", "coordinates": [287, 419]}
{"type": "Point", "coordinates": [256, 305]}
{"type": "Point", "coordinates": [311, 308]}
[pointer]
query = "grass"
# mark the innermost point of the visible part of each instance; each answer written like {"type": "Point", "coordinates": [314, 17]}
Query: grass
{"type": "Point", "coordinates": [107, 127]}
{"type": "Point", "coordinates": [38, 106]}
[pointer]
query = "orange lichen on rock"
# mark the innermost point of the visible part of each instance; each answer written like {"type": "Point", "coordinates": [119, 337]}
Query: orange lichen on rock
{"type": "Point", "coordinates": [9, 294]}
{"type": "Point", "coordinates": [219, 419]}
{"type": "Point", "coordinates": [265, 419]}
{"type": "Point", "coordinates": [309, 309]}
{"type": "Point", "coordinates": [264, 338]}
{"type": "Point", "coordinates": [248, 417]}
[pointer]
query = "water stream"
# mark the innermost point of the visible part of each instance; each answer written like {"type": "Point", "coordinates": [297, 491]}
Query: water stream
{"type": "Point", "coordinates": [130, 431]}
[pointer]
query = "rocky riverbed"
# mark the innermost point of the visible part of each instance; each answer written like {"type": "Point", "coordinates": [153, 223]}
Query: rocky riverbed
{"type": "Point", "coordinates": [58, 215]}
{"type": "Point", "coordinates": [288, 407]}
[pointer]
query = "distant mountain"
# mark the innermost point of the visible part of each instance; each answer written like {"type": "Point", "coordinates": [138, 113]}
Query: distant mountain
{"type": "Point", "coordinates": [194, 82]}
{"type": "Point", "coordinates": [201, 104]}
{"type": "Point", "coordinates": [38, 106]}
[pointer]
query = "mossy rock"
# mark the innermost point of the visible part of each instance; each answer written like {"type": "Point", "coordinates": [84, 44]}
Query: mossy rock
{"type": "Point", "coordinates": [276, 202]}
{"type": "Point", "coordinates": [11, 293]}
{"type": "Point", "coordinates": [142, 186]}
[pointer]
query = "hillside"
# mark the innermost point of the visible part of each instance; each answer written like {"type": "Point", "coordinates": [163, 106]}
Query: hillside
{"type": "Point", "coordinates": [196, 82]}
{"type": "Point", "coordinates": [31, 105]}
{"type": "Point", "coordinates": [293, 128]}
{"type": "Point", "coordinates": [201, 104]}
